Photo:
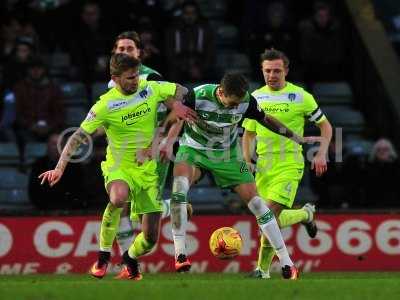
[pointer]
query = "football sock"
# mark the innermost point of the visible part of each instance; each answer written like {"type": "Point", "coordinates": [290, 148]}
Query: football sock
{"type": "Point", "coordinates": [180, 189]}
{"type": "Point", "coordinates": [265, 255]}
{"type": "Point", "coordinates": [269, 227]}
{"type": "Point", "coordinates": [166, 203]}
{"type": "Point", "coordinates": [125, 234]}
{"type": "Point", "coordinates": [103, 258]}
{"type": "Point", "coordinates": [290, 217]}
{"type": "Point", "coordinates": [287, 218]}
{"type": "Point", "coordinates": [109, 226]}
{"type": "Point", "coordinates": [140, 246]}
{"type": "Point", "coordinates": [131, 262]}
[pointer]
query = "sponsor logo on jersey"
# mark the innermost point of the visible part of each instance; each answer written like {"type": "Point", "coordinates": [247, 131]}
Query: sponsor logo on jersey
{"type": "Point", "coordinates": [143, 94]}
{"type": "Point", "coordinates": [140, 97]}
{"type": "Point", "coordinates": [282, 98]}
{"type": "Point", "coordinates": [90, 116]}
{"type": "Point", "coordinates": [277, 108]}
{"type": "Point", "coordinates": [114, 105]}
{"type": "Point", "coordinates": [134, 116]}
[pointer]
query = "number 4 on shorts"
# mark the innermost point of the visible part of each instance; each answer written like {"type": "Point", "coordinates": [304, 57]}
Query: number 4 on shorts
{"type": "Point", "coordinates": [288, 188]}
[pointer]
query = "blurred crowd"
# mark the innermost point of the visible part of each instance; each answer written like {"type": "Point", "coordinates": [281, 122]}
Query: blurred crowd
{"type": "Point", "coordinates": [366, 177]}
{"type": "Point", "coordinates": [177, 38]}
{"type": "Point", "coordinates": [45, 43]}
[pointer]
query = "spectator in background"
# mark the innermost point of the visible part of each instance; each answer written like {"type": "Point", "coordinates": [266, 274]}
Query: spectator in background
{"type": "Point", "coordinates": [150, 52]}
{"type": "Point", "coordinates": [10, 30]}
{"type": "Point", "coordinates": [174, 9]}
{"type": "Point", "coordinates": [28, 30]}
{"type": "Point", "coordinates": [136, 10]}
{"type": "Point", "coordinates": [383, 172]}
{"type": "Point", "coordinates": [90, 43]}
{"type": "Point", "coordinates": [190, 47]}
{"type": "Point", "coordinates": [7, 116]}
{"type": "Point", "coordinates": [235, 11]}
{"type": "Point", "coordinates": [69, 193]}
{"type": "Point", "coordinates": [15, 67]}
{"type": "Point", "coordinates": [39, 106]}
{"type": "Point", "coordinates": [322, 44]}
{"type": "Point", "coordinates": [272, 31]}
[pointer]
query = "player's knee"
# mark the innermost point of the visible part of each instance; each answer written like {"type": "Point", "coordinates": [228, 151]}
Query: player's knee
{"type": "Point", "coordinates": [119, 198]}
{"type": "Point", "coordinates": [246, 192]}
{"type": "Point", "coordinates": [247, 195]}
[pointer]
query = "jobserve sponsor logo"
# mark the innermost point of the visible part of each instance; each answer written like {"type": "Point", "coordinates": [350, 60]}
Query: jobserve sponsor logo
{"type": "Point", "coordinates": [134, 116]}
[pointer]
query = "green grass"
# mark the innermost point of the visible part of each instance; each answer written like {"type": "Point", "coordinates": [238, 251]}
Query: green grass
{"type": "Point", "coordinates": [202, 286]}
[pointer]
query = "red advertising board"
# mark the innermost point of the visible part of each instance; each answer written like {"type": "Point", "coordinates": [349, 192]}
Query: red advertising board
{"type": "Point", "coordinates": [69, 244]}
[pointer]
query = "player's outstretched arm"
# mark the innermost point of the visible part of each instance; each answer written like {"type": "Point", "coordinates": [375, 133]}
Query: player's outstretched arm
{"type": "Point", "coordinates": [53, 176]}
{"type": "Point", "coordinates": [254, 112]}
{"type": "Point", "coordinates": [276, 126]}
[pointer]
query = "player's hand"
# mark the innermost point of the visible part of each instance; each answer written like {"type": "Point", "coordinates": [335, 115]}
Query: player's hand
{"type": "Point", "coordinates": [183, 112]}
{"type": "Point", "coordinates": [52, 176]}
{"type": "Point", "coordinates": [319, 164]}
{"type": "Point", "coordinates": [143, 155]}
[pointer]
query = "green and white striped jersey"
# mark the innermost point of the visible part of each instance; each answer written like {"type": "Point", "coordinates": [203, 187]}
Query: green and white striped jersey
{"type": "Point", "coordinates": [217, 125]}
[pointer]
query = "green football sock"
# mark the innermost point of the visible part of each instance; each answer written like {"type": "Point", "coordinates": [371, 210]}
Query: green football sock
{"type": "Point", "coordinates": [265, 254]}
{"type": "Point", "coordinates": [109, 226]}
{"type": "Point", "coordinates": [287, 218]}
{"type": "Point", "coordinates": [290, 217]}
{"type": "Point", "coordinates": [140, 246]}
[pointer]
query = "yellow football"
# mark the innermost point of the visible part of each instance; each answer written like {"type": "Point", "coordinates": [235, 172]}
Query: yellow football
{"type": "Point", "coordinates": [225, 243]}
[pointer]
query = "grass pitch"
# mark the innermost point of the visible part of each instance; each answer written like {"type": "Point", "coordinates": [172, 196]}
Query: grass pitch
{"type": "Point", "coordinates": [202, 286]}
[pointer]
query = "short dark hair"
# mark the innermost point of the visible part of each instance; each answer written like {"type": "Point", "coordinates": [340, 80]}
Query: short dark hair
{"type": "Point", "coordinates": [127, 35]}
{"type": "Point", "coordinates": [273, 54]}
{"type": "Point", "coordinates": [121, 62]}
{"type": "Point", "coordinates": [234, 84]}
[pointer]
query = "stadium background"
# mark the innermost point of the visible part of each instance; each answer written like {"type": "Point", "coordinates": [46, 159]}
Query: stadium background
{"type": "Point", "coordinates": [344, 52]}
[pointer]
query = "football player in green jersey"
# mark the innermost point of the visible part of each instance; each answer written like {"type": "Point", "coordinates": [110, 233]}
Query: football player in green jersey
{"type": "Point", "coordinates": [128, 113]}
{"type": "Point", "coordinates": [210, 144]}
{"type": "Point", "coordinates": [280, 163]}
{"type": "Point", "coordinates": [128, 42]}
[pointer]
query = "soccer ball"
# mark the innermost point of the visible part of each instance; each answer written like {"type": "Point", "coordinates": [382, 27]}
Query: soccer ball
{"type": "Point", "coordinates": [225, 243]}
